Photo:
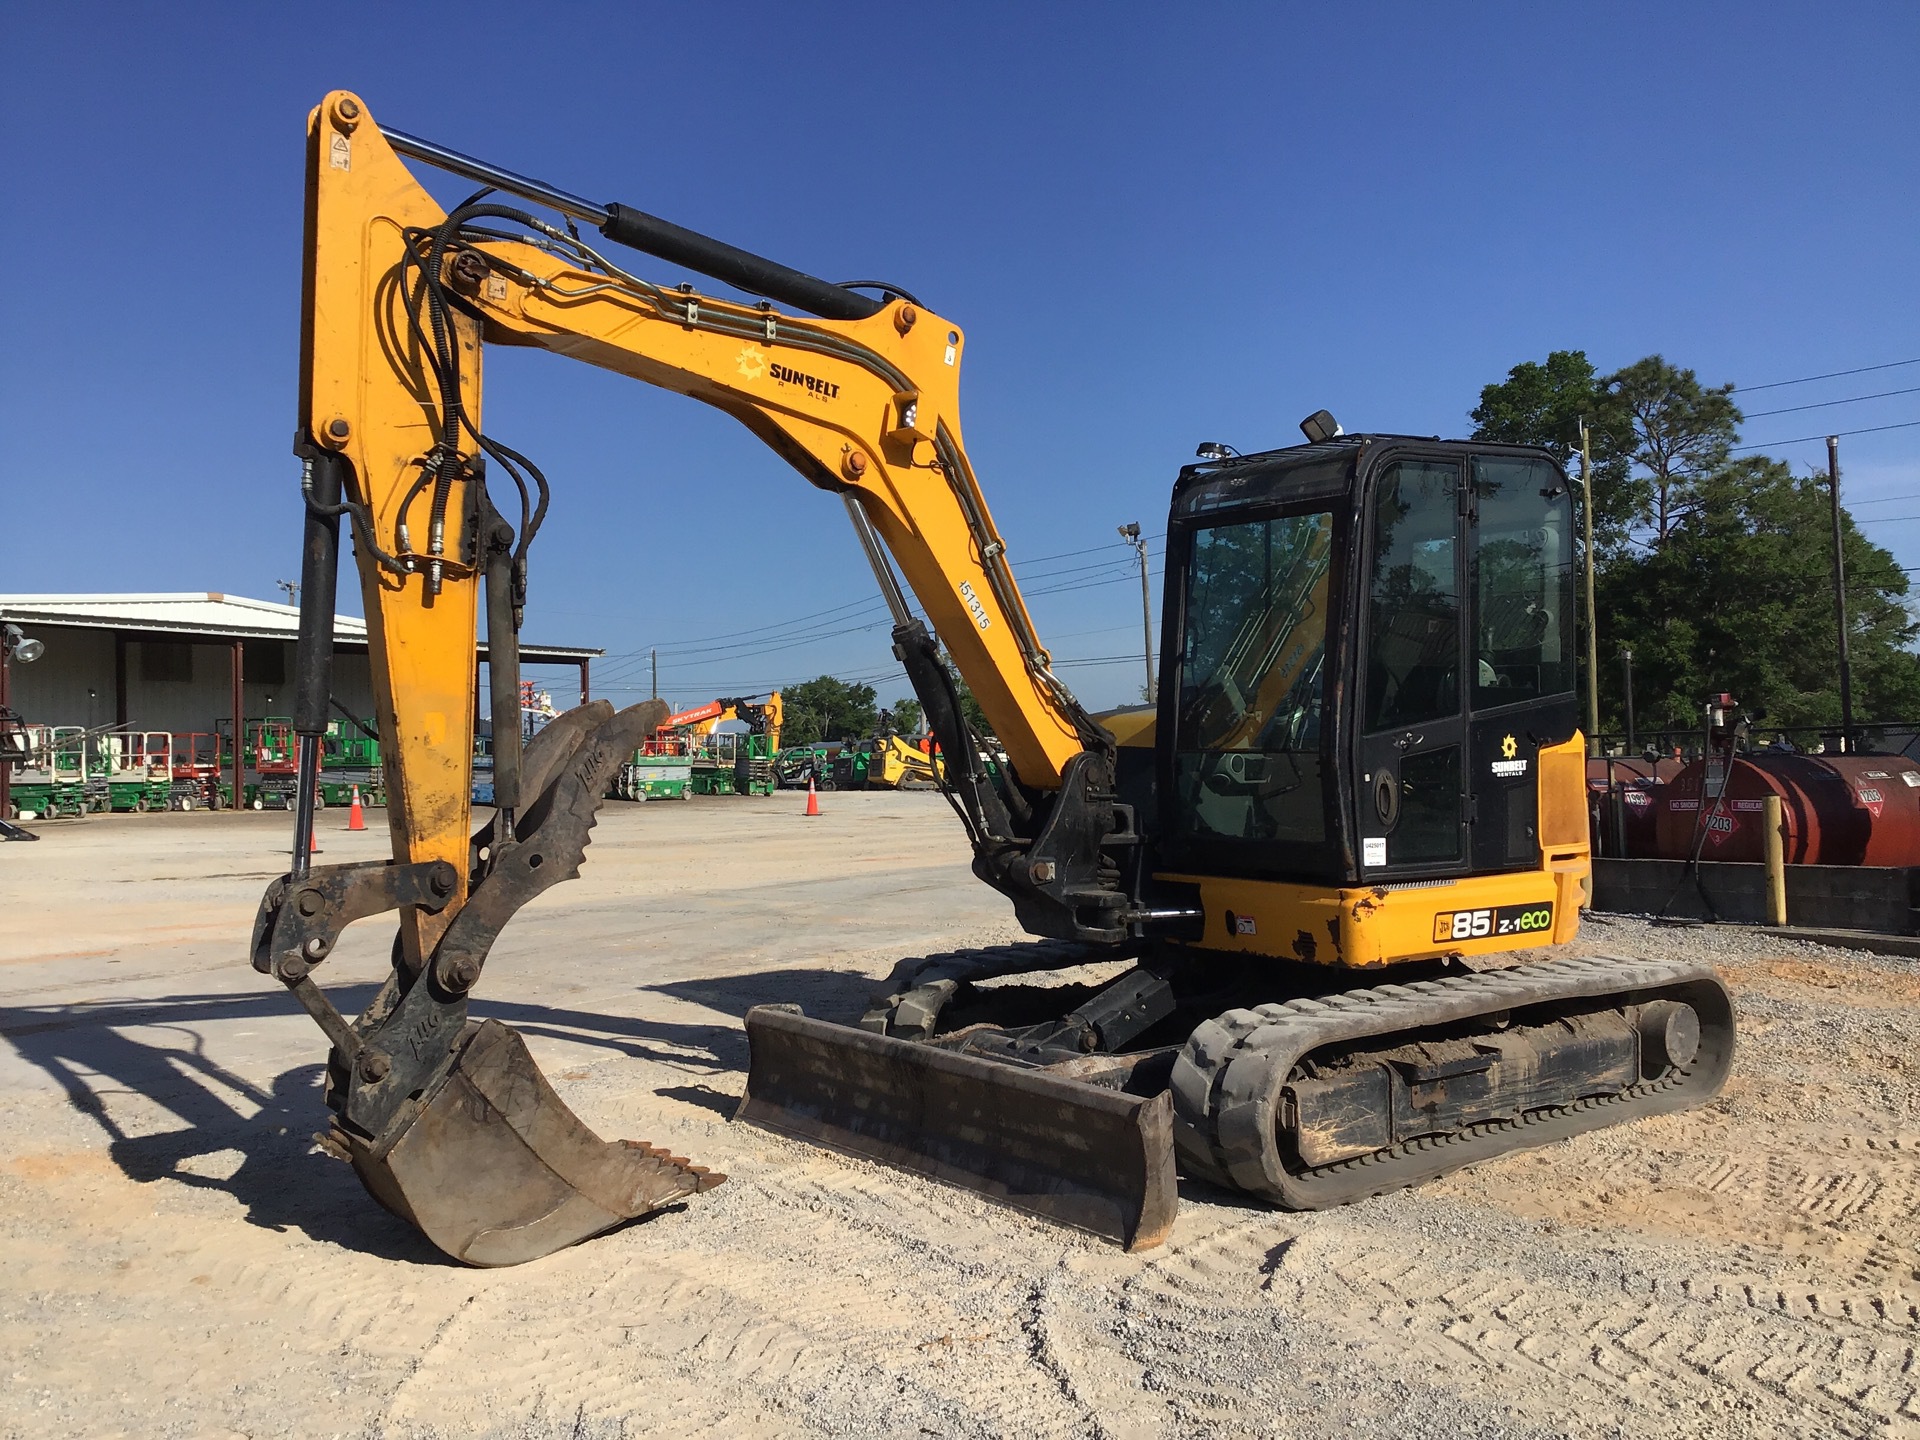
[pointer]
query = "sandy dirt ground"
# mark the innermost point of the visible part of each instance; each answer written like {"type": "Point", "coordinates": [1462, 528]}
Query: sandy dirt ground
{"type": "Point", "coordinates": [177, 1259]}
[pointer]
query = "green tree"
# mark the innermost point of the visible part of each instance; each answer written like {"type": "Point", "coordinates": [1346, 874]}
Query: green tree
{"type": "Point", "coordinates": [828, 709]}
{"type": "Point", "coordinates": [1543, 404]}
{"type": "Point", "coordinates": [1740, 598]}
{"type": "Point", "coordinates": [1682, 433]}
{"type": "Point", "coordinates": [906, 716]}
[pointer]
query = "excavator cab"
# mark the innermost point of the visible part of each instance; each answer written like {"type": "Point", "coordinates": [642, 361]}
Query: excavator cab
{"type": "Point", "coordinates": [1372, 643]}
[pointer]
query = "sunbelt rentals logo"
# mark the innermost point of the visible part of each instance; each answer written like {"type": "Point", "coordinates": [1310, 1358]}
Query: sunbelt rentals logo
{"type": "Point", "coordinates": [1510, 765]}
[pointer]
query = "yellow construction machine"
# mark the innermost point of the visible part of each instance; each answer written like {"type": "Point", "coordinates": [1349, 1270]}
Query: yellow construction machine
{"type": "Point", "coordinates": [885, 762]}
{"type": "Point", "coordinates": [1333, 875]}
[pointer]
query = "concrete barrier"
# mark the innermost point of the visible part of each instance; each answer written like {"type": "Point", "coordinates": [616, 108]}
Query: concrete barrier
{"type": "Point", "coordinates": [1857, 897]}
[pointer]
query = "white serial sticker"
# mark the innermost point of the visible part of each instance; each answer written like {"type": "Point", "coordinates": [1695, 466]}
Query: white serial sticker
{"type": "Point", "coordinates": [340, 152]}
{"type": "Point", "coordinates": [1373, 850]}
{"type": "Point", "coordinates": [974, 607]}
{"type": "Point", "coordinates": [950, 354]}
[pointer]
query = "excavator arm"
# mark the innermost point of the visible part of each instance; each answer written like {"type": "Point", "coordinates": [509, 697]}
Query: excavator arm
{"type": "Point", "coordinates": [447, 1120]}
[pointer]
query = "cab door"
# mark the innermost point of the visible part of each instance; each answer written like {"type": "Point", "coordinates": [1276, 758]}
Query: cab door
{"type": "Point", "coordinates": [1413, 741]}
{"type": "Point", "coordinates": [1521, 681]}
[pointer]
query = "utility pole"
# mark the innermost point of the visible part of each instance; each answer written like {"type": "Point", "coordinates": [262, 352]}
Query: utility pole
{"type": "Point", "coordinates": [292, 587]}
{"type": "Point", "coordinates": [1840, 599]}
{"type": "Point", "coordinates": [656, 672]}
{"type": "Point", "coordinates": [1131, 534]}
{"type": "Point", "coordinates": [1593, 635]}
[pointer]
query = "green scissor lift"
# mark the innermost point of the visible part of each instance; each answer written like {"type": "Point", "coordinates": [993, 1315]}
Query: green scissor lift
{"type": "Point", "coordinates": [734, 764]}
{"type": "Point", "coordinates": [654, 777]}
{"type": "Point", "coordinates": [349, 757]}
{"type": "Point", "coordinates": [55, 784]}
{"type": "Point", "coordinates": [138, 767]}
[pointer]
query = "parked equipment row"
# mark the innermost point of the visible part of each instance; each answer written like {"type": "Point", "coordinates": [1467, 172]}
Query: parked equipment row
{"type": "Point", "coordinates": [68, 771]}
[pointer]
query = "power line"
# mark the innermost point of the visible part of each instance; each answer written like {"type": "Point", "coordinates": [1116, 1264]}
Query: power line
{"type": "Point", "coordinates": [1069, 554]}
{"type": "Point", "coordinates": [796, 622]}
{"type": "Point", "coordinates": [785, 629]}
{"type": "Point", "coordinates": [1802, 439]}
{"type": "Point", "coordinates": [776, 625]}
{"type": "Point", "coordinates": [796, 633]}
{"type": "Point", "coordinates": [1083, 585]}
{"type": "Point", "coordinates": [1824, 404]}
{"type": "Point", "coordinates": [680, 661]}
{"type": "Point", "coordinates": [1830, 375]}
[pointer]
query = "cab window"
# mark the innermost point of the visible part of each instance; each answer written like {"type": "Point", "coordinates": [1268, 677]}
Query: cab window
{"type": "Point", "coordinates": [1522, 582]}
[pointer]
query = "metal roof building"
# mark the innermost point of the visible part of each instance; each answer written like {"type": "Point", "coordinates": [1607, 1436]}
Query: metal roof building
{"type": "Point", "coordinates": [180, 661]}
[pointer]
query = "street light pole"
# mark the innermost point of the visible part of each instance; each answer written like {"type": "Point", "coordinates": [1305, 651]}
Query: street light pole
{"type": "Point", "coordinates": [1626, 685]}
{"type": "Point", "coordinates": [1131, 534]}
{"type": "Point", "coordinates": [1593, 634]}
{"type": "Point", "coordinates": [12, 643]}
{"type": "Point", "coordinates": [1840, 599]}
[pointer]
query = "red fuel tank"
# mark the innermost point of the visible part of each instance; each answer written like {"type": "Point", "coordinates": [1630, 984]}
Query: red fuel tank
{"type": "Point", "coordinates": [1640, 782]}
{"type": "Point", "coordinates": [1835, 809]}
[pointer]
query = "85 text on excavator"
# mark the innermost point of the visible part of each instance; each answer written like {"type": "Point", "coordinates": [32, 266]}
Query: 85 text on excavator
{"type": "Point", "coordinates": [1339, 865]}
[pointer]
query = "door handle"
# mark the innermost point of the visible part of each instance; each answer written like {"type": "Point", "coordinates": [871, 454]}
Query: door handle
{"type": "Point", "coordinates": [1407, 741]}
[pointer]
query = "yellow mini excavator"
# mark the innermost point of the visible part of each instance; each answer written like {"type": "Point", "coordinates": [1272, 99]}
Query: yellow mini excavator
{"type": "Point", "coordinates": [1326, 889]}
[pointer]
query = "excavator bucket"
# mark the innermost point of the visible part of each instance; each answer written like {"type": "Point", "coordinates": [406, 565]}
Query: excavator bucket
{"type": "Point", "coordinates": [448, 1121]}
{"type": "Point", "coordinates": [496, 1170]}
{"type": "Point", "coordinates": [1077, 1154]}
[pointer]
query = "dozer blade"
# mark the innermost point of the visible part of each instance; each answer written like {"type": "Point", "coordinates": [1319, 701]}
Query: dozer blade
{"type": "Point", "coordinates": [496, 1170]}
{"type": "Point", "coordinates": [1076, 1154]}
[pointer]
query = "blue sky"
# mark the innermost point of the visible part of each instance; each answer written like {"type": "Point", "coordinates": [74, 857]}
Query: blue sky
{"type": "Point", "coordinates": [1158, 225]}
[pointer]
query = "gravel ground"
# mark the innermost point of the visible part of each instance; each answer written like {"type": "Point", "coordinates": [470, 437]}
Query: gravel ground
{"type": "Point", "coordinates": [177, 1260]}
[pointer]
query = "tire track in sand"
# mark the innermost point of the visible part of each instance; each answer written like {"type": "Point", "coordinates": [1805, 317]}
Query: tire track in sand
{"type": "Point", "coordinates": [815, 1293]}
{"type": "Point", "coordinates": [1663, 1352]}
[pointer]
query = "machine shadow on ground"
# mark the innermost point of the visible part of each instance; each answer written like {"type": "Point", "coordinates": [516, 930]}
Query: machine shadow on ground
{"type": "Point", "coordinates": [841, 995]}
{"type": "Point", "coordinates": [281, 1180]}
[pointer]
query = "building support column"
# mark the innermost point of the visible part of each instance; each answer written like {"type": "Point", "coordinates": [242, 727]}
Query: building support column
{"type": "Point", "coordinates": [239, 724]}
{"type": "Point", "coordinates": [585, 687]}
{"type": "Point", "coordinates": [120, 679]}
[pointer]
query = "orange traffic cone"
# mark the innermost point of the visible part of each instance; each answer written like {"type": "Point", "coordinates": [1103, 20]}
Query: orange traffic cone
{"type": "Point", "coordinates": [813, 798]}
{"type": "Point", "coordinates": [356, 818]}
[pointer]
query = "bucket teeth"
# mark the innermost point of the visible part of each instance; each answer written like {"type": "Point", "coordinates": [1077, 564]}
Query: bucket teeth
{"type": "Point", "coordinates": [704, 1178]}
